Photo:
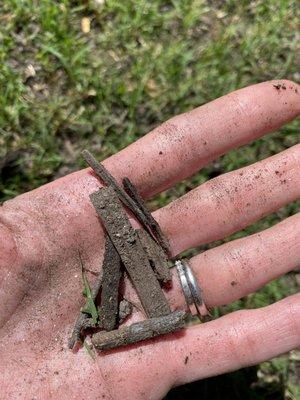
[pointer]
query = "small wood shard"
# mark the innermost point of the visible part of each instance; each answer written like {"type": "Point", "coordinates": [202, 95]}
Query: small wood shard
{"type": "Point", "coordinates": [130, 249]}
{"type": "Point", "coordinates": [157, 257]}
{"type": "Point", "coordinates": [139, 331]}
{"type": "Point", "coordinates": [136, 205]}
{"type": "Point", "coordinates": [150, 221]}
{"type": "Point", "coordinates": [125, 309]}
{"type": "Point", "coordinates": [111, 275]}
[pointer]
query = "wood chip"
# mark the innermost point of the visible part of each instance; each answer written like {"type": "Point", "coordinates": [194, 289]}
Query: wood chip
{"type": "Point", "coordinates": [136, 205]}
{"type": "Point", "coordinates": [156, 256]}
{"type": "Point", "coordinates": [125, 309]}
{"type": "Point", "coordinates": [150, 221]}
{"type": "Point", "coordinates": [111, 275]}
{"type": "Point", "coordinates": [131, 251]}
{"type": "Point", "coordinates": [139, 331]}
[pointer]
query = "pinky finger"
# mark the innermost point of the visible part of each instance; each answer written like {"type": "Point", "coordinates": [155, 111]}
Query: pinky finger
{"type": "Point", "coordinates": [237, 340]}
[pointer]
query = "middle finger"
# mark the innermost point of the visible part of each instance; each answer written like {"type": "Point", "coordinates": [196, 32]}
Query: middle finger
{"type": "Point", "coordinates": [232, 201]}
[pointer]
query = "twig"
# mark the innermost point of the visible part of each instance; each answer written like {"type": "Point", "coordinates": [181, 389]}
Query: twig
{"type": "Point", "coordinates": [139, 331]}
{"type": "Point", "coordinates": [149, 220]}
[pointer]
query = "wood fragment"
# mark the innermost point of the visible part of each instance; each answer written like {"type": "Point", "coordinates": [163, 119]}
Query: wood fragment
{"type": "Point", "coordinates": [156, 256]}
{"type": "Point", "coordinates": [150, 221]}
{"type": "Point", "coordinates": [136, 205]}
{"type": "Point", "coordinates": [131, 251]}
{"type": "Point", "coordinates": [125, 309]}
{"type": "Point", "coordinates": [139, 331]}
{"type": "Point", "coordinates": [111, 275]}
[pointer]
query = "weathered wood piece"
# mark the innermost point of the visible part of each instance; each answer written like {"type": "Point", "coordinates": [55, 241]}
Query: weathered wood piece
{"type": "Point", "coordinates": [125, 309]}
{"type": "Point", "coordinates": [150, 221]}
{"type": "Point", "coordinates": [142, 214]}
{"type": "Point", "coordinates": [131, 251]}
{"type": "Point", "coordinates": [139, 331]}
{"type": "Point", "coordinates": [156, 256]}
{"type": "Point", "coordinates": [111, 275]}
{"type": "Point", "coordinates": [83, 321]}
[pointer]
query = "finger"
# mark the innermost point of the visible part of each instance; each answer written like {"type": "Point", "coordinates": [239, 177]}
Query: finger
{"type": "Point", "coordinates": [232, 201]}
{"type": "Point", "coordinates": [237, 340]}
{"type": "Point", "coordinates": [231, 342]}
{"type": "Point", "coordinates": [231, 271]}
{"type": "Point", "coordinates": [186, 143]}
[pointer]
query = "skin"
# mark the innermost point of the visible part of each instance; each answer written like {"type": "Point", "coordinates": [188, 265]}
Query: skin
{"type": "Point", "coordinates": [41, 232]}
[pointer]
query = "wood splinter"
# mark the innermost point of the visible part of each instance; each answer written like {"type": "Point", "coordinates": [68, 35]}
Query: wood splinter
{"type": "Point", "coordinates": [150, 221]}
{"type": "Point", "coordinates": [111, 276]}
{"type": "Point", "coordinates": [156, 256]}
{"type": "Point", "coordinates": [139, 331]}
{"type": "Point", "coordinates": [125, 309]}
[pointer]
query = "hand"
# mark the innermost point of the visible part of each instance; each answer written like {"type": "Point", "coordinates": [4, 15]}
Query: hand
{"type": "Point", "coordinates": [41, 233]}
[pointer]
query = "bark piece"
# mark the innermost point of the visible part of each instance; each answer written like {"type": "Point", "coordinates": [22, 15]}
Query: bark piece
{"type": "Point", "coordinates": [156, 256]}
{"type": "Point", "coordinates": [125, 309]}
{"type": "Point", "coordinates": [147, 221]}
{"type": "Point", "coordinates": [131, 251]}
{"type": "Point", "coordinates": [150, 221]}
{"type": "Point", "coordinates": [111, 275]}
{"type": "Point", "coordinates": [139, 331]}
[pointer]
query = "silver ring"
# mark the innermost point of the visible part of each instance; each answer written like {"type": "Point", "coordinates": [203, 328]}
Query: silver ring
{"type": "Point", "coordinates": [184, 283]}
{"type": "Point", "coordinates": [195, 288]}
{"type": "Point", "coordinates": [191, 289]}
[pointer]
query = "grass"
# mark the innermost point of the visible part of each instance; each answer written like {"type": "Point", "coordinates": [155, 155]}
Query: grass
{"type": "Point", "coordinates": [141, 63]}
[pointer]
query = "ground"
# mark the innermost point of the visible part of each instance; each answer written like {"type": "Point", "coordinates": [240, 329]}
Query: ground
{"type": "Point", "coordinates": [102, 73]}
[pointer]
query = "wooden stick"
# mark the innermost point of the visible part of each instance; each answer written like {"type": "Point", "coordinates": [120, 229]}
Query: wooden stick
{"type": "Point", "coordinates": [131, 251]}
{"type": "Point", "coordinates": [139, 331]}
{"type": "Point", "coordinates": [150, 221]}
{"type": "Point", "coordinates": [146, 219]}
{"type": "Point", "coordinates": [156, 256]}
{"type": "Point", "coordinates": [112, 273]}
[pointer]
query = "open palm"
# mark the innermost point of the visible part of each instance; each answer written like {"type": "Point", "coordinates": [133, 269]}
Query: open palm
{"type": "Point", "coordinates": [41, 233]}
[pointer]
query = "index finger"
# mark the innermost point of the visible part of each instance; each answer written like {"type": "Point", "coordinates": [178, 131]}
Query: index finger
{"type": "Point", "coordinates": [186, 143]}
